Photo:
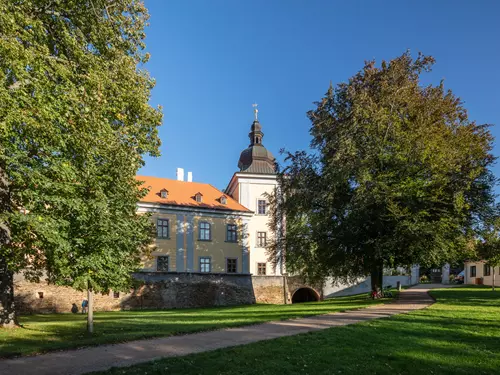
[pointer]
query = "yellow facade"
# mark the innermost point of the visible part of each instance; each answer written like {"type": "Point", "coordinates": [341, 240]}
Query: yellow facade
{"type": "Point", "coordinates": [217, 248]}
{"type": "Point", "coordinates": [163, 246]}
{"type": "Point", "coordinates": [185, 240]}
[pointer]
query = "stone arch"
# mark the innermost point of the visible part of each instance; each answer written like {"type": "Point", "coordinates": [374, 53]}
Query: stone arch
{"type": "Point", "coordinates": [305, 294]}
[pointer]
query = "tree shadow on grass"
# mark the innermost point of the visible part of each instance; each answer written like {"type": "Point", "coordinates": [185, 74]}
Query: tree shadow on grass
{"type": "Point", "coordinates": [377, 347]}
{"type": "Point", "coordinates": [65, 331]}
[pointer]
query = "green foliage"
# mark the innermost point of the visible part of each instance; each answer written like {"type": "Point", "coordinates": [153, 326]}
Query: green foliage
{"type": "Point", "coordinates": [457, 335]}
{"type": "Point", "coordinates": [398, 175]}
{"type": "Point", "coordinates": [488, 248]}
{"type": "Point", "coordinates": [48, 332]}
{"type": "Point", "coordinates": [75, 124]}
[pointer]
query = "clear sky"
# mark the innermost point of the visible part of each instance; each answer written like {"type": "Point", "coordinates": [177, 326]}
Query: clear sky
{"type": "Point", "coordinates": [212, 59]}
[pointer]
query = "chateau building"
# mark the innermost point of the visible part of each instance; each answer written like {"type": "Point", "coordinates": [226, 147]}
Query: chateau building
{"type": "Point", "coordinates": [198, 228]}
{"type": "Point", "coordinates": [201, 229]}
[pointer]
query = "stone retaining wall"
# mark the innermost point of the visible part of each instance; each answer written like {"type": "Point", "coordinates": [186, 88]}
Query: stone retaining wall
{"type": "Point", "coordinates": [164, 290]}
{"type": "Point", "coordinates": [185, 290]}
{"type": "Point", "coordinates": [158, 291]}
{"type": "Point", "coordinates": [44, 298]}
{"type": "Point", "coordinates": [268, 289]}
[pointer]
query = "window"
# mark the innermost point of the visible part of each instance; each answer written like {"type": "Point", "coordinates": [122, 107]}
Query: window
{"type": "Point", "coordinates": [204, 231]}
{"type": "Point", "coordinates": [487, 270]}
{"type": "Point", "coordinates": [261, 269]}
{"type": "Point", "coordinates": [162, 228]}
{"type": "Point", "coordinates": [162, 263]}
{"type": "Point", "coordinates": [261, 207]}
{"type": "Point", "coordinates": [223, 200]}
{"type": "Point", "coordinates": [231, 234]}
{"type": "Point", "coordinates": [473, 271]}
{"type": "Point", "coordinates": [198, 197]}
{"type": "Point", "coordinates": [261, 239]}
{"type": "Point", "coordinates": [205, 265]}
{"type": "Point", "coordinates": [40, 295]}
{"type": "Point", "coordinates": [232, 265]}
{"type": "Point", "coordinates": [116, 294]}
{"type": "Point", "coordinates": [164, 193]}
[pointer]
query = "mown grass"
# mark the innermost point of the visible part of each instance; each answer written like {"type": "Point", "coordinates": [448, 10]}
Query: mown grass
{"type": "Point", "coordinates": [42, 333]}
{"type": "Point", "coordinates": [460, 334]}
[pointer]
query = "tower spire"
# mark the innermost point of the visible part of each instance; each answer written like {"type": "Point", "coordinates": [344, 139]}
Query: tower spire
{"type": "Point", "coordinates": [256, 158]}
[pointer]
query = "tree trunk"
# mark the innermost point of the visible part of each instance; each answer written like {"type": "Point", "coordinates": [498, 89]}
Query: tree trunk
{"type": "Point", "coordinates": [7, 308]}
{"type": "Point", "coordinates": [90, 312]}
{"type": "Point", "coordinates": [493, 278]}
{"type": "Point", "coordinates": [377, 275]}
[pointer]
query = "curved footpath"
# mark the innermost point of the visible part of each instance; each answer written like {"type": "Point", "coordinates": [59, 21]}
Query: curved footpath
{"type": "Point", "coordinates": [103, 357]}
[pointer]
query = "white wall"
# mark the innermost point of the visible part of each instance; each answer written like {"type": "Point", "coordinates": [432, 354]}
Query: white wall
{"type": "Point", "coordinates": [362, 286]}
{"type": "Point", "coordinates": [249, 189]}
{"type": "Point", "coordinates": [487, 280]}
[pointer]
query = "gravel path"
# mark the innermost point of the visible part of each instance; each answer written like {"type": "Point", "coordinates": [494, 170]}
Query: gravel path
{"type": "Point", "coordinates": [103, 357]}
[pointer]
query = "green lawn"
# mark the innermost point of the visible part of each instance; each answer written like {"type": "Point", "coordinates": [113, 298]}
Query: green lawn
{"type": "Point", "coordinates": [41, 333]}
{"type": "Point", "coordinates": [460, 334]}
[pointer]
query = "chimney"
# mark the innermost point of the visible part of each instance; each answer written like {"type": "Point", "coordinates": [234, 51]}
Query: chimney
{"type": "Point", "coordinates": [190, 177]}
{"type": "Point", "coordinates": [180, 174]}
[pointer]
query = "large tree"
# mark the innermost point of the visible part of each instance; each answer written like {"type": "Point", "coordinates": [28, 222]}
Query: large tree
{"type": "Point", "coordinates": [75, 124]}
{"type": "Point", "coordinates": [398, 175]}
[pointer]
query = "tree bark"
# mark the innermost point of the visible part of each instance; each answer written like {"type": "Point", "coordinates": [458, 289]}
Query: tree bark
{"type": "Point", "coordinates": [8, 317]}
{"type": "Point", "coordinates": [90, 313]}
{"type": "Point", "coordinates": [377, 275]}
{"type": "Point", "coordinates": [7, 308]}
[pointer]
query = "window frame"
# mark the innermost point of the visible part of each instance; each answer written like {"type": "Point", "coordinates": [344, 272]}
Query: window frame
{"type": "Point", "coordinates": [259, 206]}
{"type": "Point", "coordinates": [258, 243]}
{"type": "Point", "coordinates": [168, 263]}
{"type": "Point", "coordinates": [233, 232]}
{"type": "Point", "coordinates": [471, 273]}
{"type": "Point", "coordinates": [235, 259]}
{"type": "Point", "coordinates": [163, 226]}
{"type": "Point", "coordinates": [209, 263]}
{"type": "Point", "coordinates": [260, 266]}
{"type": "Point", "coordinates": [486, 267]}
{"type": "Point", "coordinates": [200, 230]}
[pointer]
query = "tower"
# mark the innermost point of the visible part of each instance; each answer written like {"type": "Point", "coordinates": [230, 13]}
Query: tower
{"type": "Point", "coordinates": [256, 178]}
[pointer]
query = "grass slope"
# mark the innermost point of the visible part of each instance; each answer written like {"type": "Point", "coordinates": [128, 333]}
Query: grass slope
{"type": "Point", "coordinates": [41, 333]}
{"type": "Point", "coordinates": [460, 334]}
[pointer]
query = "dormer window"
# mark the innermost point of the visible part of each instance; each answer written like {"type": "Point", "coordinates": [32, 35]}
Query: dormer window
{"type": "Point", "coordinates": [223, 199]}
{"type": "Point", "coordinates": [198, 197]}
{"type": "Point", "coordinates": [163, 193]}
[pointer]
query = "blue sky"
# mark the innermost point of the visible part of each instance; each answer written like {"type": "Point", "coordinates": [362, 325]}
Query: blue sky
{"type": "Point", "coordinates": [213, 59]}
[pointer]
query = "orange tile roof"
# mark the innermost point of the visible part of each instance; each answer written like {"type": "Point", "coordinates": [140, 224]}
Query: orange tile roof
{"type": "Point", "coordinates": [182, 193]}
